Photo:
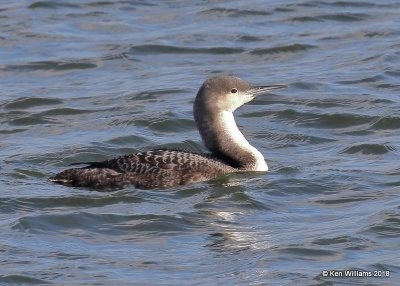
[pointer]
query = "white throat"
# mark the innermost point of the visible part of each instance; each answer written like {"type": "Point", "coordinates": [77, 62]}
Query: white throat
{"type": "Point", "coordinates": [233, 134]}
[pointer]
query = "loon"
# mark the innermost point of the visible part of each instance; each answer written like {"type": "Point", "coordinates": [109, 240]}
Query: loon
{"type": "Point", "coordinates": [213, 108]}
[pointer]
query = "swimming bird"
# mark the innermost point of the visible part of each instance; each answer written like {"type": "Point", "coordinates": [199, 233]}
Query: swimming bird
{"type": "Point", "coordinates": [230, 152]}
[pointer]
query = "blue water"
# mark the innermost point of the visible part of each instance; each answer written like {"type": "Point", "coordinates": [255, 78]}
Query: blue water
{"type": "Point", "coordinates": [90, 80]}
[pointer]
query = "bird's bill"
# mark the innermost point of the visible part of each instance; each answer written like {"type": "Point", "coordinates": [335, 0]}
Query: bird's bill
{"type": "Point", "coordinates": [256, 90]}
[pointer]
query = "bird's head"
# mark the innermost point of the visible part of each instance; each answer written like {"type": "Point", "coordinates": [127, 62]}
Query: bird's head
{"type": "Point", "coordinates": [227, 93]}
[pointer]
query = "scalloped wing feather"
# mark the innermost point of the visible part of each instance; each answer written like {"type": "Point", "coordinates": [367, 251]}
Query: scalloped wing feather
{"type": "Point", "coordinates": [150, 169]}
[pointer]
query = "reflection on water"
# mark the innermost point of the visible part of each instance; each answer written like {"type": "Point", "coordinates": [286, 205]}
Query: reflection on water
{"type": "Point", "coordinates": [89, 80]}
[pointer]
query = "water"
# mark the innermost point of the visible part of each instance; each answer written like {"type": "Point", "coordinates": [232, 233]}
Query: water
{"type": "Point", "coordinates": [89, 80]}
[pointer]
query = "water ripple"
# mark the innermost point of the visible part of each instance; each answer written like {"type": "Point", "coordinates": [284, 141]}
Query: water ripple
{"type": "Point", "coordinates": [29, 102]}
{"type": "Point", "coordinates": [282, 49]}
{"type": "Point", "coordinates": [347, 242]}
{"type": "Point", "coordinates": [48, 66]}
{"type": "Point", "coordinates": [311, 253]}
{"type": "Point", "coordinates": [51, 5]}
{"type": "Point", "coordinates": [296, 139]}
{"type": "Point", "coordinates": [164, 49]}
{"type": "Point", "coordinates": [316, 120]}
{"type": "Point", "coordinates": [111, 224]}
{"type": "Point", "coordinates": [16, 205]}
{"type": "Point", "coordinates": [22, 279]}
{"type": "Point", "coordinates": [31, 120]}
{"type": "Point", "coordinates": [346, 200]}
{"type": "Point", "coordinates": [387, 122]}
{"type": "Point", "coordinates": [387, 226]}
{"type": "Point", "coordinates": [339, 17]}
{"type": "Point", "coordinates": [223, 12]}
{"type": "Point", "coordinates": [369, 149]}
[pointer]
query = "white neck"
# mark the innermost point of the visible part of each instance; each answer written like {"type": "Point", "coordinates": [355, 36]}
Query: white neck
{"type": "Point", "coordinates": [233, 140]}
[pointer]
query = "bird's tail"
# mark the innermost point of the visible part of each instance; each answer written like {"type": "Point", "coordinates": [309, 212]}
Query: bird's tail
{"type": "Point", "coordinates": [86, 177]}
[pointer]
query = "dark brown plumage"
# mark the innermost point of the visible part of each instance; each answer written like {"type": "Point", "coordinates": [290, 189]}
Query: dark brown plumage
{"type": "Point", "coordinates": [151, 169]}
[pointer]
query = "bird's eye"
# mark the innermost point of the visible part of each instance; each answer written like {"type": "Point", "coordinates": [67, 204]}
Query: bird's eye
{"type": "Point", "coordinates": [234, 90]}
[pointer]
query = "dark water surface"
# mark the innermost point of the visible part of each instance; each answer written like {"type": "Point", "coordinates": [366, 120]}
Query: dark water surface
{"type": "Point", "coordinates": [89, 80]}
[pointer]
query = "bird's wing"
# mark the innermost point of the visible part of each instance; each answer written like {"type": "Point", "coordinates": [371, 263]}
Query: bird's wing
{"type": "Point", "coordinates": [162, 159]}
{"type": "Point", "coordinates": [150, 169]}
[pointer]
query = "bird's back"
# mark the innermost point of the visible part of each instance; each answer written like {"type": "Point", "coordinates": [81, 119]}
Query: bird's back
{"type": "Point", "coordinates": [150, 169]}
